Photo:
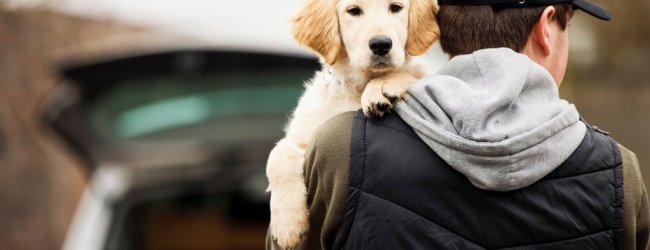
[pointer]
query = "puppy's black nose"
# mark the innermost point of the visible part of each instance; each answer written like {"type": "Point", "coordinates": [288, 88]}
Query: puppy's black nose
{"type": "Point", "coordinates": [380, 45]}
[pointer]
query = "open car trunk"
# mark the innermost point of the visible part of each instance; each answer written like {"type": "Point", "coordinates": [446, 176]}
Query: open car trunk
{"type": "Point", "coordinates": [176, 145]}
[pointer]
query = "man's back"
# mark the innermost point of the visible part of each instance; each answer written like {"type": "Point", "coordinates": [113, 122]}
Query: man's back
{"type": "Point", "coordinates": [409, 198]}
{"type": "Point", "coordinates": [562, 207]}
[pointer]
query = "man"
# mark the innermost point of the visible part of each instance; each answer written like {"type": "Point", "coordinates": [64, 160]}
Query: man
{"type": "Point", "coordinates": [482, 155]}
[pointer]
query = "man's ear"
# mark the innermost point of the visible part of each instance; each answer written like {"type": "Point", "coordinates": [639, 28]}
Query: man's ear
{"type": "Point", "coordinates": [423, 29]}
{"type": "Point", "coordinates": [541, 30]}
{"type": "Point", "coordinates": [317, 27]}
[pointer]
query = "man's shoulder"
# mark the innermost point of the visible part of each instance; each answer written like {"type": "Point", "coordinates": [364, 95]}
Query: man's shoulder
{"type": "Point", "coordinates": [626, 152]}
{"type": "Point", "coordinates": [630, 164]}
{"type": "Point", "coordinates": [328, 154]}
{"type": "Point", "coordinates": [636, 215]}
{"type": "Point", "coordinates": [335, 130]}
{"type": "Point", "coordinates": [633, 184]}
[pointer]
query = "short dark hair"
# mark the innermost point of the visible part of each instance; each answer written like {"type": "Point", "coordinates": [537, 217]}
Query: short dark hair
{"type": "Point", "coordinates": [467, 28]}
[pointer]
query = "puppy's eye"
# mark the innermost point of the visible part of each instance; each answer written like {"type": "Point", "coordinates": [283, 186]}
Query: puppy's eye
{"type": "Point", "coordinates": [355, 11]}
{"type": "Point", "coordinates": [395, 8]}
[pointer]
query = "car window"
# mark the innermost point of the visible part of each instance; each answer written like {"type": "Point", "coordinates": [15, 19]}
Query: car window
{"type": "Point", "coordinates": [225, 106]}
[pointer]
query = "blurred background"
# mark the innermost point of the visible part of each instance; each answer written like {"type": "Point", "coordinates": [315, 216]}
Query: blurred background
{"type": "Point", "coordinates": [146, 124]}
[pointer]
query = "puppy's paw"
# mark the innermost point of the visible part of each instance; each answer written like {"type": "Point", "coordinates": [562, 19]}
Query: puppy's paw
{"type": "Point", "coordinates": [289, 218]}
{"type": "Point", "coordinates": [382, 93]}
{"type": "Point", "coordinates": [373, 100]}
{"type": "Point", "coordinates": [289, 214]}
{"type": "Point", "coordinates": [394, 92]}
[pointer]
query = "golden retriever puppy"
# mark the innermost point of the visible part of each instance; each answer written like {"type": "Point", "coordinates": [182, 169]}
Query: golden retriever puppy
{"type": "Point", "coordinates": [365, 48]}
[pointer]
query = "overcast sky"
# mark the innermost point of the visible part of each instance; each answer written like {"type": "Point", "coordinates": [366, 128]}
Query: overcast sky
{"type": "Point", "coordinates": [244, 23]}
{"type": "Point", "coordinates": [255, 24]}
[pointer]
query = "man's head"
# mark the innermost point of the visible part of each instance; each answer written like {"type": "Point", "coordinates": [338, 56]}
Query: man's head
{"type": "Point", "coordinates": [530, 27]}
{"type": "Point", "coordinates": [468, 28]}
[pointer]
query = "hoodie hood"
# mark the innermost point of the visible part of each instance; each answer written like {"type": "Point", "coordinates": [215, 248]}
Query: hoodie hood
{"type": "Point", "coordinates": [496, 117]}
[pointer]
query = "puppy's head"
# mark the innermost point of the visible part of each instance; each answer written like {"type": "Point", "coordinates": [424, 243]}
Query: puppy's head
{"type": "Point", "coordinates": [376, 35]}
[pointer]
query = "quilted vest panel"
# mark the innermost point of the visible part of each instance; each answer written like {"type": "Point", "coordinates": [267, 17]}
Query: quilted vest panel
{"type": "Point", "coordinates": [403, 196]}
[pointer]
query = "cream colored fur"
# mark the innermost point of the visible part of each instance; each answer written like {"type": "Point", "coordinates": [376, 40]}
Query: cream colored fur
{"type": "Point", "coordinates": [348, 81]}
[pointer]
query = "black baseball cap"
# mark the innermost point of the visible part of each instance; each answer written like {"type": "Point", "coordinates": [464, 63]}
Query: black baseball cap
{"type": "Point", "coordinates": [585, 5]}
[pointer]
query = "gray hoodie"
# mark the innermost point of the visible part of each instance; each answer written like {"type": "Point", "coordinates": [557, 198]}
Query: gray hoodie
{"type": "Point", "coordinates": [496, 117]}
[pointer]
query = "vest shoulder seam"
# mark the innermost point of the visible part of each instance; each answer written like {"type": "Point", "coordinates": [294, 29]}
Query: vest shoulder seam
{"type": "Point", "coordinates": [580, 174]}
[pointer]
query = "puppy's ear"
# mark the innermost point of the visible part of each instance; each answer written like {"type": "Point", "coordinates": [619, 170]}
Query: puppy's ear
{"type": "Point", "coordinates": [317, 27]}
{"type": "Point", "coordinates": [423, 29]}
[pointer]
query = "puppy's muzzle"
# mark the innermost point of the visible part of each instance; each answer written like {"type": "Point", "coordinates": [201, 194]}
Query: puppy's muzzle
{"type": "Point", "coordinates": [380, 45]}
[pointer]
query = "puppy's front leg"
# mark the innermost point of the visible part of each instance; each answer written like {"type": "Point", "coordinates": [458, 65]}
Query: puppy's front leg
{"type": "Point", "coordinates": [381, 93]}
{"type": "Point", "coordinates": [289, 216]}
{"type": "Point", "coordinates": [284, 169]}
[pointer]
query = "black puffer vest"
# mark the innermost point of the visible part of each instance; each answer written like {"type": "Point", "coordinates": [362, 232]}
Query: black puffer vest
{"type": "Point", "coordinates": [403, 196]}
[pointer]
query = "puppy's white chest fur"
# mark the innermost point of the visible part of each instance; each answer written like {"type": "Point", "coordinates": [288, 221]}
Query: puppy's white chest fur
{"type": "Point", "coordinates": [337, 89]}
{"type": "Point", "coordinates": [328, 93]}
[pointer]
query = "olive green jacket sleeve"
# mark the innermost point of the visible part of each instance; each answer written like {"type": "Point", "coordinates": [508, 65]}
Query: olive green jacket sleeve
{"type": "Point", "coordinates": [327, 179]}
{"type": "Point", "coordinates": [636, 214]}
{"type": "Point", "coordinates": [327, 167]}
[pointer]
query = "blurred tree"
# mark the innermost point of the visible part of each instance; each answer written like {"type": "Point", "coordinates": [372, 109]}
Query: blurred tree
{"type": "Point", "coordinates": [40, 181]}
{"type": "Point", "coordinates": [38, 188]}
{"type": "Point", "coordinates": [3, 140]}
